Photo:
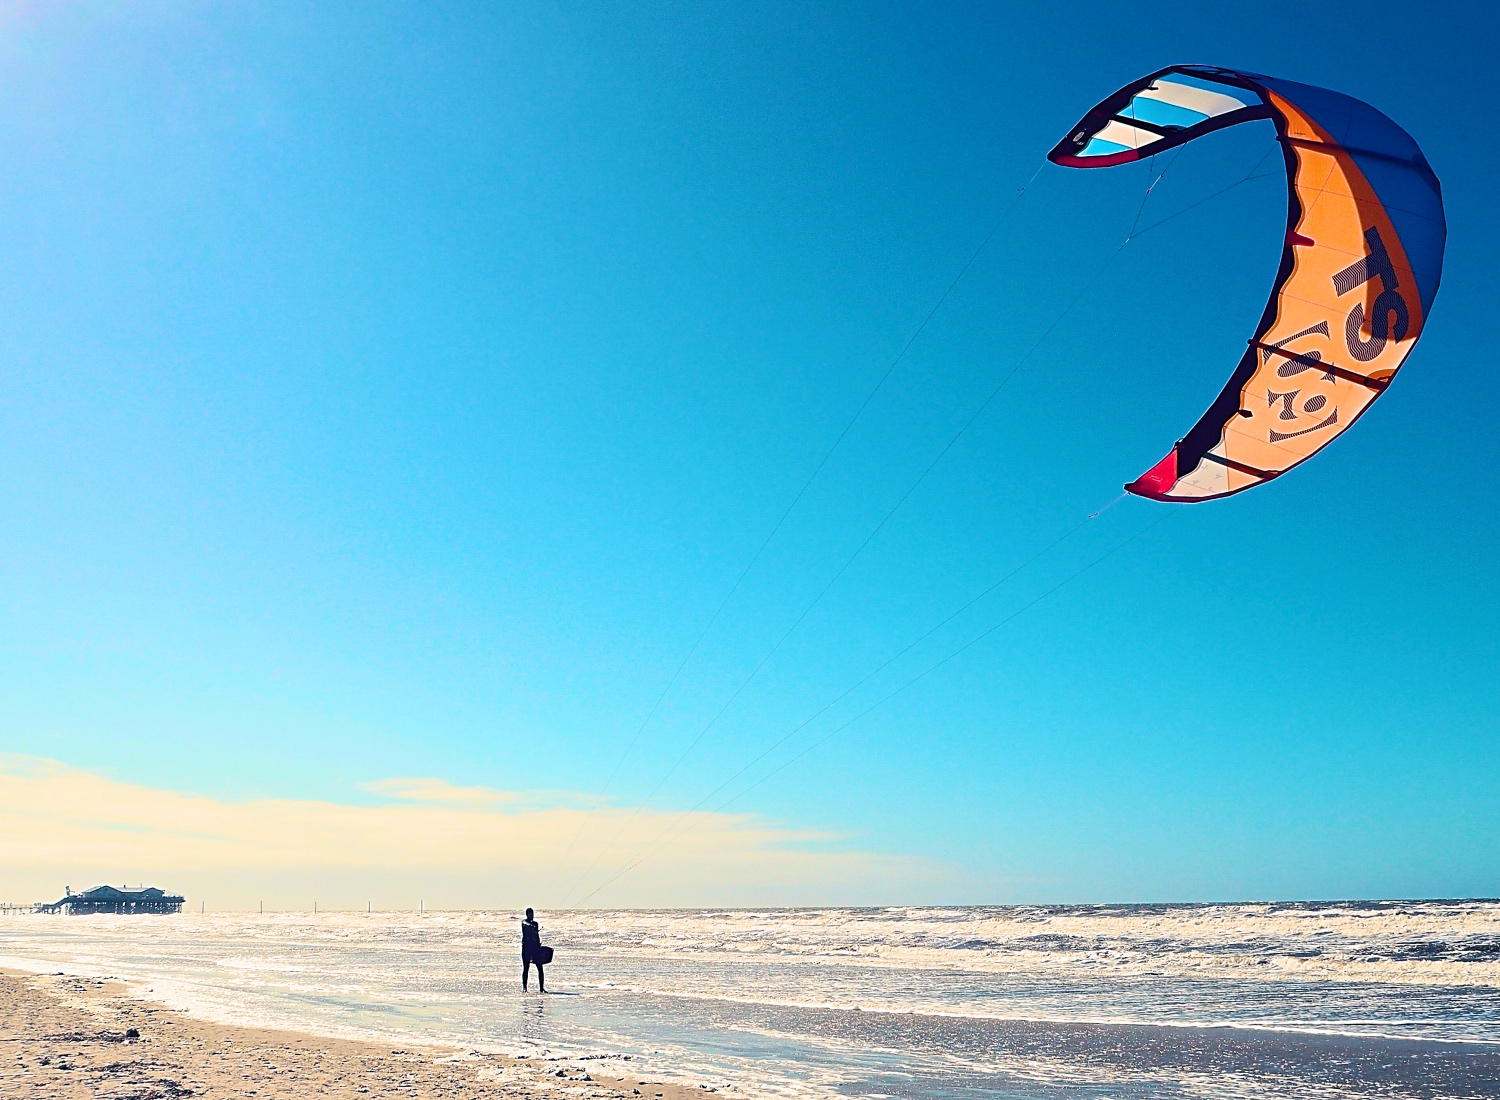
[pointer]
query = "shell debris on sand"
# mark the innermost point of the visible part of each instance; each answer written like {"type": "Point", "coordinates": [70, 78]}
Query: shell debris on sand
{"type": "Point", "coordinates": [71, 1038]}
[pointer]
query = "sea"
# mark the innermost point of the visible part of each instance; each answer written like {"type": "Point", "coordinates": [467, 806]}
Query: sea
{"type": "Point", "coordinates": [1323, 1000]}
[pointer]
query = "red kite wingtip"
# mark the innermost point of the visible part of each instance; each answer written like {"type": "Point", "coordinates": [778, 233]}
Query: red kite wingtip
{"type": "Point", "coordinates": [1157, 481]}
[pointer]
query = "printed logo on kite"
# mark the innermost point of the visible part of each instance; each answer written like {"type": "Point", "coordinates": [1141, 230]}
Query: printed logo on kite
{"type": "Point", "coordinates": [1359, 270]}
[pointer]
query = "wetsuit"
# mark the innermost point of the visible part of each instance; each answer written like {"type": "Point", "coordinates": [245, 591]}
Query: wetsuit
{"type": "Point", "coordinates": [531, 952]}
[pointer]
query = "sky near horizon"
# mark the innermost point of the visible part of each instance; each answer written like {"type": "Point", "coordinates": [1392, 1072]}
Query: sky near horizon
{"type": "Point", "coordinates": [392, 394]}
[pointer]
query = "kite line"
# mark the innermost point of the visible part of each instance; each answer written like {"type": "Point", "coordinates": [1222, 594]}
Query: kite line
{"type": "Point", "coordinates": [665, 835]}
{"type": "Point", "coordinates": [963, 429]}
{"type": "Point", "coordinates": [790, 508]}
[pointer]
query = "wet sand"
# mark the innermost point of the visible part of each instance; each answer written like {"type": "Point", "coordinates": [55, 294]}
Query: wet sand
{"type": "Point", "coordinates": [71, 1038]}
{"type": "Point", "coordinates": [1055, 1060]}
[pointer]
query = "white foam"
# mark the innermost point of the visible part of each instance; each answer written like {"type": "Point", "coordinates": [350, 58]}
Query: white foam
{"type": "Point", "coordinates": [1413, 970]}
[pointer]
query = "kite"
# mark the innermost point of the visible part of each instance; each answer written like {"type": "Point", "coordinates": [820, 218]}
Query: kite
{"type": "Point", "coordinates": [1359, 268]}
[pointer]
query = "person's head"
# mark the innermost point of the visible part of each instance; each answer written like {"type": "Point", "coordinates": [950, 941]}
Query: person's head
{"type": "Point", "coordinates": [529, 914]}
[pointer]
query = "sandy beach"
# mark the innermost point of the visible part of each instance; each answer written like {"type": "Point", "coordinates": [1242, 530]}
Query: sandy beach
{"type": "Point", "coordinates": [69, 1037]}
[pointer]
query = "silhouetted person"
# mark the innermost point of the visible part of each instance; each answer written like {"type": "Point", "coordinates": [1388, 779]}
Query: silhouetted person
{"type": "Point", "coordinates": [531, 952]}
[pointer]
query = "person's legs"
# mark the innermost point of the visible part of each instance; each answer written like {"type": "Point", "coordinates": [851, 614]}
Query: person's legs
{"type": "Point", "coordinates": [541, 979]}
{"type": "Point", "coordinates": [526, 972]}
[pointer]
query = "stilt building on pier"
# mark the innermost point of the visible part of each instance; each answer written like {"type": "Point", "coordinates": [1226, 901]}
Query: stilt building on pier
{"type": "Point", "coordinates": [116, 899]}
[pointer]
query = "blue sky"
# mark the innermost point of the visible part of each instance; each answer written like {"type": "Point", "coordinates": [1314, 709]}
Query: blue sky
{"type": "Point", "coordinates": [396, 392]}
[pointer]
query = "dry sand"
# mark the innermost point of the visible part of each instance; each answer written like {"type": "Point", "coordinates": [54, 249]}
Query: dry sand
{"type": "Point", "coordinates": [70, 1038]}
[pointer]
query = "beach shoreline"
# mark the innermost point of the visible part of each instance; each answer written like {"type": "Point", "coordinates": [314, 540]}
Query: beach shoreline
{"type": "Point", "coordinates": [1207, 1003]}
{"type": "Point", "coordinates": [71, 1037]}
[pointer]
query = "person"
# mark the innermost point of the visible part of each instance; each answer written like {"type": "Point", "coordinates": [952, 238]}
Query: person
{"type": "Point", "coordinates": [531, 952]}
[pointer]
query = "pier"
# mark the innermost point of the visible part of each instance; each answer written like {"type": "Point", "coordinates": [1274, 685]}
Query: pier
{"type": "Point", "coordinates": [120, 900]}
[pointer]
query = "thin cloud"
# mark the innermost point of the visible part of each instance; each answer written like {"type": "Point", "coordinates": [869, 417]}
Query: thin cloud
{"type": "Point", "coordinates": [65, 824]}
{"type": "Point", "coordinates": [441, 792]}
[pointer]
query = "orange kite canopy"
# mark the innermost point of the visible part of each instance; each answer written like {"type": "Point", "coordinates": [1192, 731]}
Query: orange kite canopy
{"type": "Point", "coordinates": [1359, 268]}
